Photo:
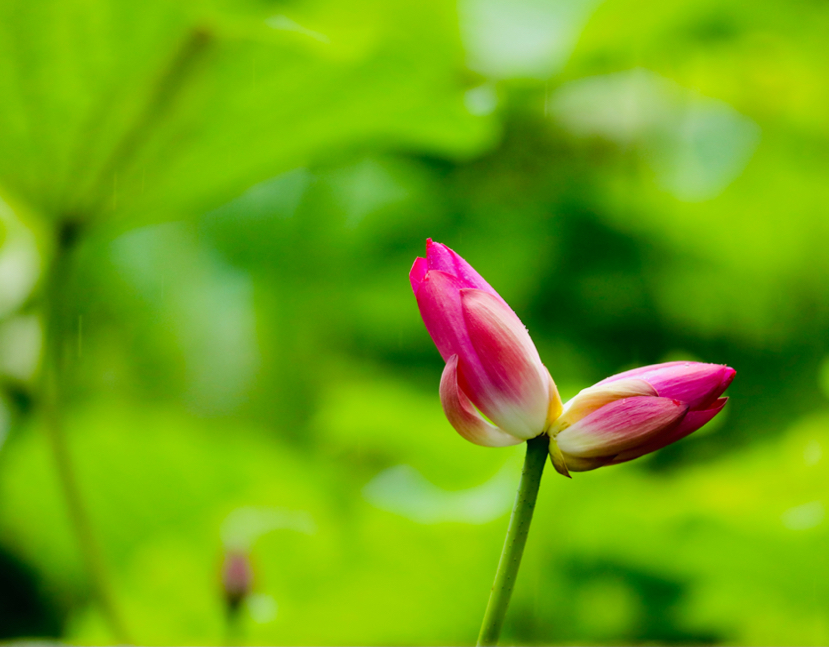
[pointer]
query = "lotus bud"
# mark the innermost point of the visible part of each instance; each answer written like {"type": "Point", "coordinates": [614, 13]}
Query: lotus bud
{"type": "Point", "coordinates": [237, 578]}
{"type": "Point", "coordinates": [492, 366]}
{"type": "Point", "coordinates": [636, 412]}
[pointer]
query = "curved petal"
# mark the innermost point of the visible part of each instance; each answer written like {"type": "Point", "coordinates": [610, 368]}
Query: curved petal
{"type": "Point", "coordinates": [439, 301]}
{"type": "Point", "coordinates": [619, 426]}
{"type": "Point", "coordinates": [693, 382]}
{"type": "Point", "coordinates": [696, 383]}
{"type": "Point", "coordinates": [440, 257]}
{"type": "Point", "coordinates": [417, 273]}
{"type": "Point", "coordinates": [639, 372]}
{"type": "Point", "coordinates": [692, 421]}
{"type": "Point", "coordinates": [592, 398]}
{"type": "Point", "coordinates": [509, 383]}
{"type": "Point", "coordinates": [555, 408]}
{"type": "Point", "coordinates": [463, 416]}
{"type": "Point", "coordinates": [579, 464]}
{"type": "Point", "coordinates": [557, 459]}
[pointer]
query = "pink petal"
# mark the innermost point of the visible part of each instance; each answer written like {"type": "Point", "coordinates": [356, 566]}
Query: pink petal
{"type": "Point", "coordinates": [417, 273]}
{"type": "Point", "coordinates": [695, 383]}
{"type": "Point", "coordinates": [694, 420]}
{"type": "Point", "coordinates": [690, 423]}
{"type": "Point", "coordinates": [592, 398]}
{"type": "Point", "coordinates": [727, 377]}
{"type": "Point", "coordinates": [440, 257]}
{"type": "Point", "coordinates": [619, 426]}
{"type": "Point", "coordinates": [639, 372]}
{"type": "Point", "coordinates": [439, 300]}
{"type": "Point", "coordinates": [463, 416]}
{"type": "Point", "coordinates": [508, 383]}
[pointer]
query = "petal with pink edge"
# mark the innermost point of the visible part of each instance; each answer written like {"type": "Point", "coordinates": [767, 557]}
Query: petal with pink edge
{"type": "Point", "coordinates": [463, 416]}
{"type": "Point", "coordinates": [692, 421]}
{"type": "Point", "coordinates": [417, 273]}
{"type": "Point", "coordinates": [696, 383]}
{"type": "Point", "coordinates": [509, 385]}
{"type": "Point", "coordinates": [693, 382]}
{"type": "Point", "coordinates": [592, 398]}
{"type": "Point", "coordinates": [619, 426]}
{"type": "Point", "coordinates": [639, 372]}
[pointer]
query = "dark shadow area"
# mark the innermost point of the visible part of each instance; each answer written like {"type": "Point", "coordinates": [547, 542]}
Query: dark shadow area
{"type": "Point", "coordinates": [25, 610]}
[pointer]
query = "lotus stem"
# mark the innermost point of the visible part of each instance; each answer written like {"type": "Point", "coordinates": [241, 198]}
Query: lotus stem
{"type": "Point", "coordinates": [54, 376]}
{"type": "Point", "coordinates": [519, 527]}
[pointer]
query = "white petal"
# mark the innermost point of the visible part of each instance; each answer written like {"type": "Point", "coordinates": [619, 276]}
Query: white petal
{"type": "Point", "coordinates": [463, 416]}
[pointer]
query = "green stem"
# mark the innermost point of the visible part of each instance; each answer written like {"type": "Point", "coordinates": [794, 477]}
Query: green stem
{"type": "Point", "coordinates": [519, 527]}
{"type": "Point", "coordinates": [161, 98]}
{"type": "Point", "coordinates": [58, 326]}
{"type": "Point", "coordinates": [58, 316]}
{"type": "Point", "coordinates": [233, 627]}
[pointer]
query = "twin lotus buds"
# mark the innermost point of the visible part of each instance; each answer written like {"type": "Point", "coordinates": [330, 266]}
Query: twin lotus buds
{"type": "Point", "coordinates": [496, 392]}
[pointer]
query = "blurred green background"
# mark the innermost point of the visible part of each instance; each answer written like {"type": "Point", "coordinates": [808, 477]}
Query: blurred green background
{"type": "Point", "coordinates": [208, 211]}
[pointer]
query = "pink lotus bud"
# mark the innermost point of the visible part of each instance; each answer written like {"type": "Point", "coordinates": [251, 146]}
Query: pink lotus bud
{"type": "Point", "coordinates": [492, 365]}
{"type": "Point", "coordinates": [636, 412]}
{"type": "Point", "coordinates": [237, 578]}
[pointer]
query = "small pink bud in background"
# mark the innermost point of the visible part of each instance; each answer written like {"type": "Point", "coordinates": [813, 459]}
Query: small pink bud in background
{"type": "Point", "coordinates": [237, 578]}
{"type": "Point", "coordinates": [636, 412]}
{"type": "Point", "coordinates": [492, 365]}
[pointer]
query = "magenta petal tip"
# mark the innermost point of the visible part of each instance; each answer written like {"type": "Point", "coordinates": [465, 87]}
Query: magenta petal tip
{"type": "Point", "coordinates": [417, 273]}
